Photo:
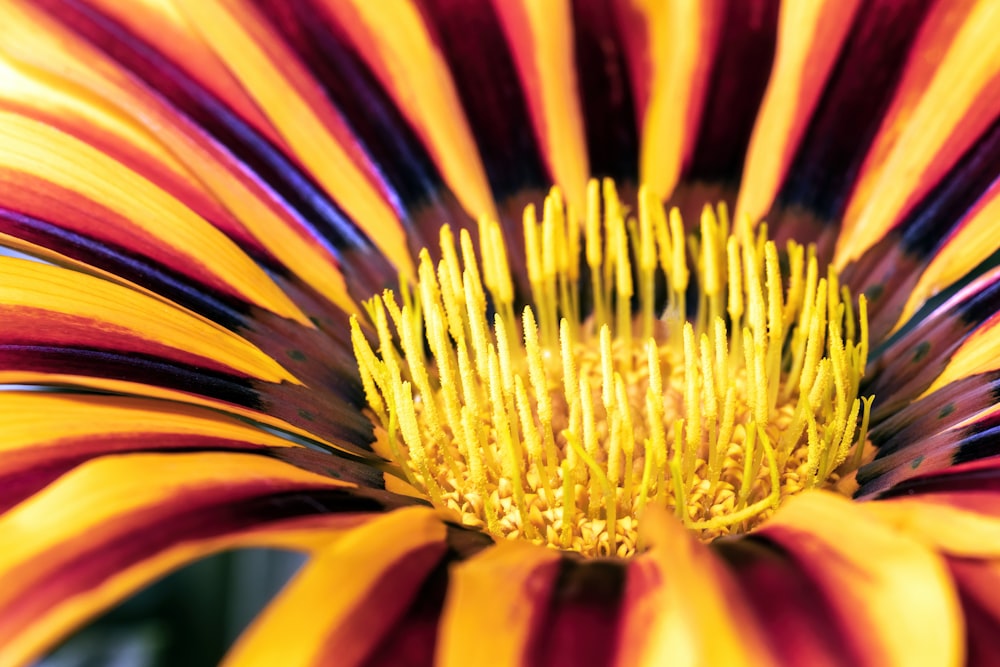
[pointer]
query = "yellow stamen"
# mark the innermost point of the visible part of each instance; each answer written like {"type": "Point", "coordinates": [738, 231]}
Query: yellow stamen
{"type": "Point", "coordinates": [562, 429]}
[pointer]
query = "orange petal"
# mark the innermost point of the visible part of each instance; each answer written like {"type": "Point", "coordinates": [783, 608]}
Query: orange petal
{"type": "Point", "coordinates": [404, 56]}
{"type": "Point", "coordinates": [892, 594]}
{"type": "Point", "coordinates": [48, 305]}
{"type": "Point", "coordinates": [810, 36]}
{"type": "Point", "coordinates": [348, 596]}
{"type": "Point", "coordinates": [494, 602]}
{"type": "Point", "coordinates": [49, 65]}
{"type": "Point", "coordinates": [541, 40]}
{"type": "Point", "coordinates": [681, 606]}
{"type": "Point", "coordinates": [679, 37]}
{"type": "Point", "coordinates": [48, 433]}
{"type": "Point", "coordinates": [51, 175]}
{"type": "Point", "coordinates": [113, 525]}
{"type": "Point", "coordinates": [978, 582]}
{"type": "Point", "coordinates": [959, 524]}
{"type": "Point", "coordinates": [922, 139]}
{"type": "Point", "coordinates": [296, 106]}
{"type": "Point", "coordinates": [974, 241]}
{"type": "Point", "coordinates": [978, 353]}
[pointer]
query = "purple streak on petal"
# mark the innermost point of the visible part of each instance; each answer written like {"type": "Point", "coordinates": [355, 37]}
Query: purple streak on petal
{"type": "Point", "coordinates": [605, 93]}
{"type": "Point", "coordinates": [329, 418]}
{"type": "Point", "coordinates": [581, 625]}
{"type": "Point", "coordinates": [861, 86]}
{"type": "Point", "coordinates": [277, 173]}
{"type": "Point", "coordinates": [395, 150]}
{"type": "Point", "coordinates": [472, 41]}
{"type": "Point", "coordinates": [736, 86]}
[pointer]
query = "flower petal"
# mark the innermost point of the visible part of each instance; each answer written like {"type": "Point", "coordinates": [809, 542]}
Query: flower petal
{"type": "Point", "coordinates": [965, 525]}
{"type": "Point", "coordinates": [924, 138]}
{"type": "Point", "coordinates": [61, 323]}
{"type": "Point", "coordinates": [978, 582]}
{"type": "Point", "coordinates": [48, 174]}
{"type": "Point", "coordinates": [675, 73]}
{"type": "Point", "coordinates": [972, 438]}
{"type": "Point", "coordinates": [116, 523]}
{"type": "Point", "coordinates": [972, 242]}
{"type": "Point", "coordinates": [606, 97]}
{"type": "Point", "coordinates": [404, 55]}
{"type": "Point", "coordinates": [540, 36]}
{"type": "Point", "coordinates": [517, 579]}
{"type": "Point", "coordinates": [892, 595]}
{"type": "Point", "coordinates": [810, 37]}
{"type": "Point", "coordinates": [295, 106]}
{"type": "Point", "coordinates": [48, 67]}
{"type": "Point", "coordinates": [374, 570]}
{"type": "Point", "coordinates": [47, 434]}
{"type": "Point", "coordinates": [955, 338]}
{"type": "Point", "coordinates": [681, 606]}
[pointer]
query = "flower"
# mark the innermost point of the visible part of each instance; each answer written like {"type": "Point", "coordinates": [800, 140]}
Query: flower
{"type": "Point", "coordinates": [217, 187]}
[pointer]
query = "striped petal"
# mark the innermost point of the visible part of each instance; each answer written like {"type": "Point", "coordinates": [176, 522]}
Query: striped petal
{"type": "Point", "coordinates": [891, 596]}
{"type": "Point", "coordinates": [297, 109]}
{"type": "Point", "coordinates": [921, 139]}
{"type": "Point", "coordinates": [375, 571]}
{"type": "Point", "coordinates": [116, 523]}
{"type": "Point", "coordinates": [681, 606]}
{"type": "Point", "coordinates": [46, 63]}
{"type": "Point", "coordinates": [47, 434]}
{"type": "Point", "coordinates": [405, 56]}
{"type": "Point", "coordinates": [63, 324]}
{"type": "Point", "coordinates": [518, 579]}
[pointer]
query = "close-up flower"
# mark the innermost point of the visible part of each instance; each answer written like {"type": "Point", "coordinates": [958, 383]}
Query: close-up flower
{"type": "Point", "coordinates": [549, 332]}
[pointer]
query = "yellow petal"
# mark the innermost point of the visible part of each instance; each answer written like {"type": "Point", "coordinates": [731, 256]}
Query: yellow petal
{"type": "Point", "coordinates": [541, 39]}
{"type": "Point", "coordinates": [494, 600]}
{"type": "Point", "coordinates": [112, 525]}
{"type": "Point", "coordinates": [894, 593]}
{"type": "Point", "coordinates": [348, 596]}
{"type": "Point", "coordinates": [928, 140]}
{"type": "Point", "coordinates": [408, 63]}
{"type": "Point", "coordinates": [682, 607]}
{"type": "Point", "coordinates": [810, 36]}
{"type": "Point", "coordinates": [300, 113]}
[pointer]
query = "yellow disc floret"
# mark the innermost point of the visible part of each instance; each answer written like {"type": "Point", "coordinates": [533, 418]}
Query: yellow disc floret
{"type": "Point", "coordinates": [611, 392]}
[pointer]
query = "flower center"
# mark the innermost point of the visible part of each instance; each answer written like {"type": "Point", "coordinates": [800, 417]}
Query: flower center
{"type": "Point", "coordinates": [562, 429]}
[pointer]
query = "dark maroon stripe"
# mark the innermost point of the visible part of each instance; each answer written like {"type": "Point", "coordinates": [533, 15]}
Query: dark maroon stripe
{"type": "Point", "coordinates": [605, 93]}
{"type": "Point", "coordinates": [472, 42]}
{"type": "Point", "coordinates": [799, 626]}
{"type": "Point", "coordinates": [580, 628]}
{"type": "Point", "coordinates": [402, 161]}
{"type": "Point", "coordinates": [120, 261]}
{"type": "Point", "coordinates": [321, 359]}
{"type": "Point", "coordinates": [88, 560]}
{"type": "Point", "coordinates": [393, 597]}
{"type": "Point", "coordinates": [939, 212]}
{"type": "Point", "coordinates": [980, 475]}
{"type": "Point", "coordinates": [736, 86]}
{"type": "Point", "coordinates": [976, 584]}
{"type": "Point", "coordinates": [278, 174]}
{"type": "Point", "coordinates": [333, 420]}
{"type": "Point", "coordinates": [413, 639]}
{"type": "Point", "coordinates": [888, 271]}
{"type": "Point", "coordinates": [930, 454]}
{"type": "Point", "coordinates": [860, 88]}
{"type": "Point", "coordinates": [908, 364]}
{"type": "Point", "coordinates": [24, 476]}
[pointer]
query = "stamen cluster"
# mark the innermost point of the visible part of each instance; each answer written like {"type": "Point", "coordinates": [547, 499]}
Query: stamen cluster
{"type": "Point", "coordinates": [562, 429]}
